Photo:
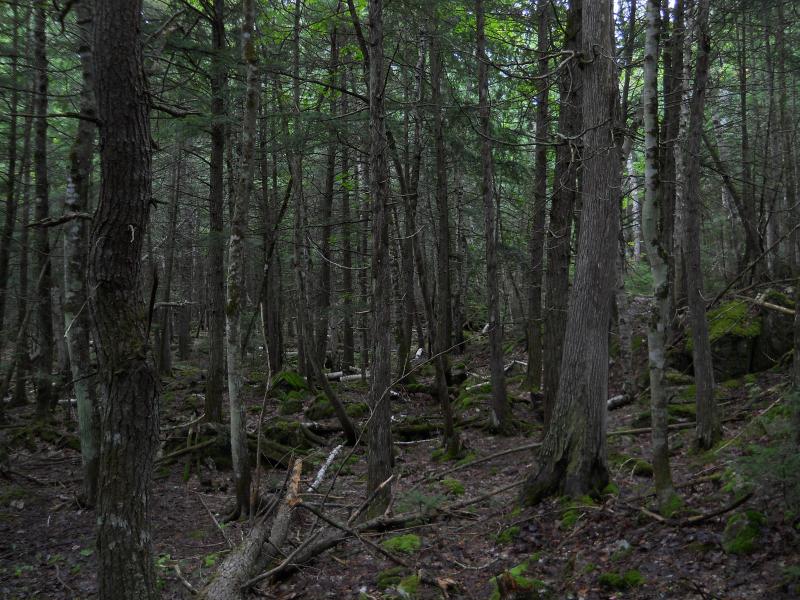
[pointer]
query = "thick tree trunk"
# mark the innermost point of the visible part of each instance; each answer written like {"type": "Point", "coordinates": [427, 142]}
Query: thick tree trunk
{"type": "Point", "coordinates": [573, 457]}
{"type": "Point", "coordinates": [236, 265]}
{"type": "Point", "coordinates": [536, 245]}
{"type": "Point", "coordinates": [76, 249]}
{"type": "Point", "coordinates": [380, 458]}
{"type": "Point", "coordinates": [43, 361]}
{"type": "Point", "coordinates": [501, 417]}
{"type": "Point", "coordinates": [129, 411]}
{"type": "Point", "coordinates": [559, 232]}
{"type": "Point", "coordinates": [708, 426]}
{"type": "Point", "coordinates": [656, 239]}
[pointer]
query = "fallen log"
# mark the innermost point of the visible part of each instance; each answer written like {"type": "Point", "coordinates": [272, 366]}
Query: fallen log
{"type": "Point", "coordinates": [619, 401]}
{"type": "Point", "coordinates": [259, 548]}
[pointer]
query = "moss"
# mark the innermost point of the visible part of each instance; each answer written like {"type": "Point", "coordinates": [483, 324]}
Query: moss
{"type": "Point", "coordinates": [508, 535]}
{"type": "Point", "coordinates": [615, 581]}
{"type": "Point", "coordinates": [408, 586]}
{"type": "Point", "coordinates": [389, 577]}
{"type": "Point", "coordinates": [674, 377]}
{"type": "Point", "coordinates": [732, 318]}
{"type": "Point", "coordinates": [468, 458]}
{"type": "Point", "coordinates": [356, 410]}
{"type": "Point", "coordinates": [11, 493]}
{"type": "Point", "coordinates": [515, 579]}
{"type": "Point", "coordinates": [409, 543]}
{"type": "Point", "coordinates": [612, 489]}
{"type": "Point", "coordinates": [289, 380]}
{"type": "Point", "coordinates": [688, 393]}
{"type": "Point", "coordinates": [683, 411]}
{"type": "Point", "coordinates": [642, 468]}
{"type": "Point", "coordinates": [454, 486]}
{"type": "Point", "coordinates": [573, 509]}
{"type": "Point", "coordinates": [743, 532]}
{"type": "Point", "coordinates": [320, 408]}
{"type": "Point", "coordinates": [417, 388]}
{"type": "Point", "coordinates": [290, 406]}
{"type": "Point", "coordinates": [673, 505]}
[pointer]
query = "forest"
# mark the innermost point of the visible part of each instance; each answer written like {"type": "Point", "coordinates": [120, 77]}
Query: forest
{"type": "Point", "coordinates": [373, 299]}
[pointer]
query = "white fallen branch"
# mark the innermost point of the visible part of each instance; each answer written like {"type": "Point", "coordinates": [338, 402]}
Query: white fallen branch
{"type": "Point", "coordinates": [324, 468]}
{"type": "Point", "coordinates": [617, 401]}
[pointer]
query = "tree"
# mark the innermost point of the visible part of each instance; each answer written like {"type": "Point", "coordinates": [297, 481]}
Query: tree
{"type": "Point", "coordinates": [501, 418]}
{"type": "Point", "coordinates": [236, 265]}
{"type": "Point", "coordinates": [573, 457]}
{"type": "Point", "coordinates": [708, 427]}
{"type": "Point", "coordinates": [379, 441]}
{"type": "Point", "coordinates": [656, 241]}
{"type": "Point", "coordinates": [129, 410]}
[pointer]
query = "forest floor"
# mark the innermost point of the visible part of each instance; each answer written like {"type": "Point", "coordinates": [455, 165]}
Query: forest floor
{"type": "Point", "coordinates": [612, 547]}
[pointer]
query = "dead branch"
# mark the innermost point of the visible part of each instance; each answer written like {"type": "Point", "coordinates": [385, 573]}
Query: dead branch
{"type": "Point", "coordinates": [66, 217]}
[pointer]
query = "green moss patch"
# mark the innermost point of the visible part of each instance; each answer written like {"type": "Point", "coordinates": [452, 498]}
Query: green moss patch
{"type": "Point", "coordinates": [288, 381]}
{"type": "Point", "coordinates": [390, 577]}
{"type": "Point", "coordinates": [732, 318]}
{"type": "Point", "coordinates": [453, 486]}
{"type": "Point", "coordinates": [405, 544]}
{"type": "Point", "coordinates": [625, 581]}
{"type": "Point", "coordinates": [356, 410]}
{"type": "Point", "coordinates": [290, 405]}
{"type": "Point", "coordinates": [408, 586]}
{"type": "Point", "coordinates": [742, 532]}
{"type": "Point", "coordinates": [508, 535]}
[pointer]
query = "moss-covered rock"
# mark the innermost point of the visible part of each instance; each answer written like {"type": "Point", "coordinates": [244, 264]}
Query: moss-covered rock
{"type": "Point", "coordinates": [320, 408]}
{"type": "Point", "coordinates": [356, 410]}
{"type": "Point", "coordinates": [742, 532]}
{"type": "Point", "coordinates": [675, 377]}
{"type": "Point", "coordinates": [288, 381]}
{"type": "Point", "coordinates": [409, 543]}
{"type": "Point", "coordinates": [291, 403]}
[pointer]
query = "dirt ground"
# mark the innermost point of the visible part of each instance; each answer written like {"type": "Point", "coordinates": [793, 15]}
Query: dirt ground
{"type": "Point", "coordinates": [560, 549]}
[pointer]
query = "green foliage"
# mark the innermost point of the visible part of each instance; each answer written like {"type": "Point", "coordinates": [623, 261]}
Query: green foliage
{"type": "Point", "coordinates": [289, 380]}
{"type": "Point", "coordinates": [742, 532]}
{"type": "Point", "coordinates": [417, 500]}
{"type": "Point", "coordinates": [209, 560]}
{"type": "Point", "coordinates": [453, 486]}
{"type": "Point", "coordinates": [409, 543]}
{"type": "Point", "coordinates": [389, 577]}
{"type": "Point", "coordinates": [638, 279]}
{"type": "Point", "coordinates": [408, 586]}
{"type": "Point", "coordinates": [516, 578]}
{"type": "Point", "coordinates": [508, 535]}
{"type": "Point", "coordinates": [626, 581]}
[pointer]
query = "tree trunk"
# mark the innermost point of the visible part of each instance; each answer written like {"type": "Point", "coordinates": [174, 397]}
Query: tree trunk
{"type": "Point", "coordinates": [559, 232]}
{"type": "Point", "coordinates": [76, 249]}
{"type": "Point", "coordinates": [165, 327]}
{"type": "Point", "coordinates": [573, 457]}
{"type": "Point", "coordinates": [43, 361]}
{"type": "Point", "coordinates": [236, 265]}
{"type": "Point", "coordinates": [501, 417]}
{"type": "Point", "coordinates": [129, 411]}
{"type": "Point", "coordinates": [11, 158]}
{"type": "Point", "coordinates": [708, 426]}
{"type": "Point", "coordinates": [379, 440]}
{"type": "Point", "coordinates": [656, 236]}
{"type": "Point", "coordinates": [536, 247]}
{"type": "Point", "coordinates": [682, 95]}
{"type": "Point", "coordinates": [216, 209]}
{"type": "Point", "coordinates": [348, 346]}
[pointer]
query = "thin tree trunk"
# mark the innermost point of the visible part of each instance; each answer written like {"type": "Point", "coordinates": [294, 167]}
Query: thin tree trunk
{"type": "Point", "coordinates": [708, 426]}
{"type": "Point", "coordinates": [165, 327]}
{"type": "Point", "coordinates": [236, 265]}
{"type": "Point", "coordinates": [656, 237]}
{"type": "Point", "coordinates": [501, 417]}
{"type": "Point", "coordinates": [43, 362]}
{"type": "Point", "coordinates": [76, 249]}
{"type": "Point", "coordinates": [348, 349]}
{"type": "Point", "coordinates": [559, 232]}
{"type": "Point", "coordinates": [129, 411]}
{"type": "Point", "coordinates": [573, 458]}
{"type": "Point", "coordinates": [536, 247]}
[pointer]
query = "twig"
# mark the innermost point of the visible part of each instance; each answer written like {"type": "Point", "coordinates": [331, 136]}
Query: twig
{"type": "Point", "coordinates": [321, 473]}
{"type": "Point", "coordinates": [369, 500]}
{"type": "Point", "coordinates": [213, 518]}
{"type": "Point", "coordinates": [183, 451]}
{"type": "Point", "coordinates": [695, 519]}
{"type": "Point", "coordinates": [184, 581]}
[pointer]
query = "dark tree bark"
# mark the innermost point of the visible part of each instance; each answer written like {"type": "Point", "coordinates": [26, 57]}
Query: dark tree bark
{"type": "Point", "coordinates": [43, 362]}
{"type": "Point", "coordinates": [559, 231]}
{"type": "Point", "coordinates": [129, 411]}
{"type": "Point", "coordinates": [708, 426]}
{"type": "Point", "coordinates": [11, 178]}
{"type": "Point", "coordinates": [165, 285]}
{"type": "Point", "coordinates": [573, 457]}
{"type": "Point", "coordinates": [216, 209]}
{"type": "Point", "coordinates": [348, 340]}
{"type": "Point", "coordinates": [76, 251]}
{"type": "Point", "coordinates": [501, 417]}
{"type": "Point", "coordinates": [379, 440]}
{"type": "Point", "coordinates": [536, 246]}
